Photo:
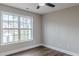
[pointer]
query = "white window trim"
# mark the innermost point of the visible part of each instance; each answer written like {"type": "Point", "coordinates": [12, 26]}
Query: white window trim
{"type": "Point", "coordinates": [20, 41]}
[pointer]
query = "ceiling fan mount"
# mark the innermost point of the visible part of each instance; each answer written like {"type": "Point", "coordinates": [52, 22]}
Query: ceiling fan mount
{"type": "Point", "coordinates": [45, 4]}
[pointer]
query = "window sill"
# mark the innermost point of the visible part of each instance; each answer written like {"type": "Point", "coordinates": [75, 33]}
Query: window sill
{"type": "Point", "coordinates": [15, 42]}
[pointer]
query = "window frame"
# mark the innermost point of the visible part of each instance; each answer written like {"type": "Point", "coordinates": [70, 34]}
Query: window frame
{"type": "Point", "coordinates": [19, 29]}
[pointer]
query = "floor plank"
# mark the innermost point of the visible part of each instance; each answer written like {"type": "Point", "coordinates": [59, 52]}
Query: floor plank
{"type": "Point", "coordinates": [39, 51]}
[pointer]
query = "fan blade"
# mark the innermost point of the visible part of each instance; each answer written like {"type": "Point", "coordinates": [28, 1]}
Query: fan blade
{"type": "Point", "coordinates": [50, 5]}
{"type": "Point", "coordinates": [38, 7]}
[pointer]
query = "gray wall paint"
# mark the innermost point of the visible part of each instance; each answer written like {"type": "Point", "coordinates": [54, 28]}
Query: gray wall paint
{"type": "Point", "coordinates": [61, 29]}
{"type": "Point", "coordinates": [36, 29]}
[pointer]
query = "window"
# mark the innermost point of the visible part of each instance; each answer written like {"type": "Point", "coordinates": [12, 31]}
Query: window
{"type": "Point", "coordinates": [16, 28]}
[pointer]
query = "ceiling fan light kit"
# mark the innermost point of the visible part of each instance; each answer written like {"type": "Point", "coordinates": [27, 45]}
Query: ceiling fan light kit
{"type": "Point", "coordinates": [45, 4]}
{"type": "Point", "coordinates": [41, 4]}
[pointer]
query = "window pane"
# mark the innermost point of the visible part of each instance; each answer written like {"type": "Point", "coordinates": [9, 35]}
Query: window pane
{"type": "Point", "coordinates": [16, 35]}
{"type": "Point", "coordinates": [10, 21]}
{"type": "Point", "coordinates": [26, 25]}
{"type": "Point", "coordinates": [21, 25]}
{"type": "Point", "coordinates": [22, 34]}
{"type": "Point", "coordinates": [15, 24]}
{"type": "Point", "coordinates": [21, 22]}
{"type": "Point", "coordinates": [29, 34]}
{"type": "Point", "coordinates": [29, 21]}
{"type": "Point", "coordinates": [10, 24]}
{"type": "Point", "coordinates": [26, 34]}
{"type": "Point", "coordinates": [15, 18]}
{"type": "Point", "coordinates": [10, 18]}
{"type": "Point", "coordinates": [25, 22]}
{"type": "Point", "coordinates": [11, 36]}
{"type": "Point", "coordinates": [5, 21]}
{"type": "Point", "coordinates": [5, 36]}
{"type": "Point", "coordinates": [5, 24]}
{"type": "Point", "coordinates": [13, 21]}
{"type": "Point", "coordinates": [5, 17]}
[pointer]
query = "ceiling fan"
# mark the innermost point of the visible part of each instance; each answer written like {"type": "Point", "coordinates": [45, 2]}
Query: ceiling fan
{"type": "Point", "coordinates": [45, 4]}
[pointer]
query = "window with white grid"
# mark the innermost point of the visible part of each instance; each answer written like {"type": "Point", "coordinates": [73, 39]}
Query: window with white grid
{"type": "Point", "coordinates": [15, 28]}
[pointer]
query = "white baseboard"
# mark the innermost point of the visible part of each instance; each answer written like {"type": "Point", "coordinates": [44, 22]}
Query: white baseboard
{"type": "Point", "coordinates": [48, 46]}
{"type": "Point", "coordinates": [61, 50]}
{"type": "Point", "coordinates": [18, 50]}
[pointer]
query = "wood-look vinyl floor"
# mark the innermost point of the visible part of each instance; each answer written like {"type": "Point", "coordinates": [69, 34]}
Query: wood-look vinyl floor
{"type": "Point", "coordinates": [39, 51]}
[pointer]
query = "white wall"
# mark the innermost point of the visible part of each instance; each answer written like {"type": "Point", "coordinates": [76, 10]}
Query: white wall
{"type": "Point", "coordinates": [61, 29]}
{"type": "Point", "coordinates": [36, 29]}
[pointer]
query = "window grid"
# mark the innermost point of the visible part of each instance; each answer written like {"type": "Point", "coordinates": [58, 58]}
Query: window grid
{"type": "Point", "coordinates": [18, 30]}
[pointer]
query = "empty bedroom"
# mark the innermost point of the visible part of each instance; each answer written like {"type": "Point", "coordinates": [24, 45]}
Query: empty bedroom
{"type": "Point", "coordinates": [39, 29]}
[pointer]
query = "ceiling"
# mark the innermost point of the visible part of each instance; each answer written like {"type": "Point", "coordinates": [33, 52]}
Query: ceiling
{"type": "Point", "coordinates": [43, 10]}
